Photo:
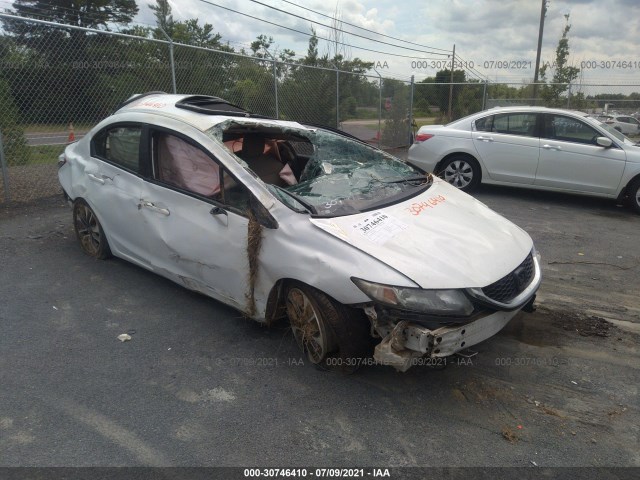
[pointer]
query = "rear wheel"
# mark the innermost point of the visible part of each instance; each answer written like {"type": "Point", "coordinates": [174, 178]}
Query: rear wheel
{"type": "Point", "coordinates": [633, 195]}
{"type": "Point", "coordinates": [89, 231]}
{"type": "Point", "coordinates": [460, 171]}
{"type": "Point", "coordinates": [329, 333]}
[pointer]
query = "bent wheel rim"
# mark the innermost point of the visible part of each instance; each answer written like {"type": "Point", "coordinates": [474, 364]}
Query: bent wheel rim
{"type": "Point", "coordinates": [88, 230]}
{"type": "Point", "coordinates": [307, 327]}
{"type": "Point", "coordinates": [459, 173]}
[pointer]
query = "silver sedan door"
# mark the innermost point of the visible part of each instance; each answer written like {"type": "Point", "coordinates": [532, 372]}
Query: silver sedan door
{"type": "Point", "coordinates": [195, 237]}
{"type": "Point", "coordinates": [115, 186]}
{"type": "Point", "coordinates": [508, 146]}
{"type": "Point", "coordinates": [570, 159]}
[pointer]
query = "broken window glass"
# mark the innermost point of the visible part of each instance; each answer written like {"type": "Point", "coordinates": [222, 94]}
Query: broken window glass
{"type": "Point", "coordinates": [335, 175]}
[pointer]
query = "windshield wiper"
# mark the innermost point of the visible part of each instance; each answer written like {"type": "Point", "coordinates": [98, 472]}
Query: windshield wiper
{"type": "Point", "coordinates": [310, 208]}
{"type": "Point", "coordinates": [422, 178]}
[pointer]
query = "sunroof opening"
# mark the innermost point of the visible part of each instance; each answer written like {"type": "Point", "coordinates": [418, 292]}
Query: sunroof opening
{"type": "Point", "coordinates": [211, 105]}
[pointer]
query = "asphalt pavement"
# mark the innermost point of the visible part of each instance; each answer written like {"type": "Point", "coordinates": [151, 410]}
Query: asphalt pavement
{"type": "Point", "coordinates": [198, 385]}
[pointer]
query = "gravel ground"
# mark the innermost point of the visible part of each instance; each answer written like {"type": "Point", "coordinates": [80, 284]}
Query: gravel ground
{"type": "Point", "coordinates": [29, 183]}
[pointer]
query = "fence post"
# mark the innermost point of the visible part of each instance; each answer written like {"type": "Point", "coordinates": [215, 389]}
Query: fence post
{"type": "Point", "coordinates": [173, 67]}
{"type": "Point", "coordinates": [5, 172]}
{"type": "Point", "coordinates": [484, 95]}
{"type": "Point", "coordinates": [275, 86]}
{"type": "Point", "coordinates": [274, 62]}
{"type": "Point", "coordinates": [411, 112]}
{"type": "Point", "coordinates": [379, 106]}
{"type": "Point", "coordinates": [453, 62]}
{"type": "Point", "coordinates": [337, 98]}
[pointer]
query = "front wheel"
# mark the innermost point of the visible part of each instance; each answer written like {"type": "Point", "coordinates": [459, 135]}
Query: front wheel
{"type": "Point", "coordinates": [633, 195]}
{"type": "Point", "coordinates": [89, 231]}
{"type": "Point", "coordinates": [329, 333]}
{"type": "Point", "coordinates": [460, 171]}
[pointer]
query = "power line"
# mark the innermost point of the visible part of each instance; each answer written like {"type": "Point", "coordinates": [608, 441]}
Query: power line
{"type": "Point", "coordinates": [472, 70]}
{"type": "Point", "coordinates": [366, 29]}
{"type": "Point", "coordinates": [344, 31]}
{"type": "Point", "coordinates": [310, 35]}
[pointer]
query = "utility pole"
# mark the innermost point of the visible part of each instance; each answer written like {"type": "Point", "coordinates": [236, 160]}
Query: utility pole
{"type": "Point", "coordinates": [453, 62]}
{"type": "Point", "coordinates": [543, 13]}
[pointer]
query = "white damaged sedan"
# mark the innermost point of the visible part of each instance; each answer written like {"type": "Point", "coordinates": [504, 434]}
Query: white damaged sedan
{"type": "Point", "coordinates": [362, 252]}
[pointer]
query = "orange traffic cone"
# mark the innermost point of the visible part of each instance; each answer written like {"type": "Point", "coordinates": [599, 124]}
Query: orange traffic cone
{"type": "Point", "coordinates": [72, 136]}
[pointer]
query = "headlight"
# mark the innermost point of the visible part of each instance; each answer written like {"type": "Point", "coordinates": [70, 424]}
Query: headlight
{"type": "Point", "coordinates": [436, 302]}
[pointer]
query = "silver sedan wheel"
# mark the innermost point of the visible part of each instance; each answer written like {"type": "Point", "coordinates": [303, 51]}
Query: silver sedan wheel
{"type": "Point", "coordinates": [638, 197]}
{"type": "Point", "coordinates": [458, 173]}
{"type": "Point", "coordinates": [88, 230]}
{"type": "Point", "coordinates": [308, 327]}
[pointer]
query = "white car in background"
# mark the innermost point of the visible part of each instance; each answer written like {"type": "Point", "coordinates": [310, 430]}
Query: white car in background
{"type": "Point", "coordinates": [625, 124]}
{"type": "Point", "coordinates": [532, 147]}
{"type": "Point", "coordinates": [279, 219]}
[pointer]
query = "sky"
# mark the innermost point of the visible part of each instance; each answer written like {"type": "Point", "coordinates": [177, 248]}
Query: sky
{"type": "Point", "coordinates": [494, 39]}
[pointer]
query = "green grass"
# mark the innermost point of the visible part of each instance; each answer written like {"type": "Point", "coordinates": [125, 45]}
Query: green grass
{"type": "Point", "coordinates": [55, 127]}
{"type": "Point", "coordinates": [44, 154]}
{"type": "Point", "coordinates": [425, 121]}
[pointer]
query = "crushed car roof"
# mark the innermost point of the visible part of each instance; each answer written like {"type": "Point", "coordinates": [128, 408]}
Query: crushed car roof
{"type": "Point", "coordinates": [201, 111]}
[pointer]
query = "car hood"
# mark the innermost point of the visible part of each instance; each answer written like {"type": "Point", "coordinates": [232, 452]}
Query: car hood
{"type": "Point", "coordinates": [442, 238]}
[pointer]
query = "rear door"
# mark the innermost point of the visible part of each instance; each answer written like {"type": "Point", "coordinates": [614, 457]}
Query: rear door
{"type": "Point", "coordinates": [508, 145]}
{"type": "Point", "coordinates": [116, 185]}
{"type": "Point", "coordinates": [571, 159]}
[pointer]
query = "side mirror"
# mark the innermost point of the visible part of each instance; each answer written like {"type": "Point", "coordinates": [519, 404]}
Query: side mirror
{"type": "Point", "coordinates": [604, 142]}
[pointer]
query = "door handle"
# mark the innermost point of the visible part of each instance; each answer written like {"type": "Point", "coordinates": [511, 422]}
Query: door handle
{"type": "Point", "coordinates": [95, 178]}
{"type": "Point", "coordinates": [551, 147]}
{"type": "Point", "coordinates": [485, 139]}
{"type": "Point", "coordinates": [151, 206]}
{"type": "Point", "coordinates": [218, 211]}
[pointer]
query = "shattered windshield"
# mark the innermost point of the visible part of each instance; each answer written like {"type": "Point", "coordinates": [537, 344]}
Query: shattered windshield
{"type": "Point", "coordinates": [318, 171]}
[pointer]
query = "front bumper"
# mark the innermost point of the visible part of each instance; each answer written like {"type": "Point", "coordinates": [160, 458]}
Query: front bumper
{"type": "Point", "coordinates": [408, 342]}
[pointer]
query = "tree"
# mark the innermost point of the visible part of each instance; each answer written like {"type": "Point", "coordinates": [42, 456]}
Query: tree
{"type": "Point", "coordinates": [563, 74]}
{"type": "Point", "coordinates": [261, 43]}
{"type": "Point", "coordinates": [15, 146]}
{"type": "Point", "coordinates": [164, 18]}
{"type": "Point", "coordinates": [68, 55]}
{"type": "Point", "coordinates": [88, 13]}
{"type": "Point", "coordinates": [396, 126]}
{"type": "Point", "coordinates": [435, 91]}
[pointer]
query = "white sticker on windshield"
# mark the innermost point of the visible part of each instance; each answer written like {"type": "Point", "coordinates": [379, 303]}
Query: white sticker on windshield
{"type": "Point", "coordinates": [378, 227]}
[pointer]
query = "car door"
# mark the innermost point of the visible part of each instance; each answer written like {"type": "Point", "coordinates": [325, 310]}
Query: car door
{"type": "Point", "coordinates": [571, 159]}
{"type": "Point", "coordinates": [197, 228]}
{"type": "Point", "coordinates": [509, 146]}
{"type": "Point", "coordinates": [629, 125]}
{"type": "Point", "coordinates": [115, 176]}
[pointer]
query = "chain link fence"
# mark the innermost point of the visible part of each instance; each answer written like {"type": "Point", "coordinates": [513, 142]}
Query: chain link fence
{"type": "Point", "coordinates": [57, 81]}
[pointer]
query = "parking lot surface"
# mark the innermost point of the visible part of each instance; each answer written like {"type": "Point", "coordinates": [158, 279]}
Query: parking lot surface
{"type": "Point", "coordinates": [198, 385]}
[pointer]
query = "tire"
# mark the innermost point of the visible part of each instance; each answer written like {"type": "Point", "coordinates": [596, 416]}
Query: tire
{"type": "Point", "coordinates": [333, 336]}
{"type": "Point", "coordinates": [461, 171]}
{"type": "Point", "coordinates": [89, 232]}
{"type": "Point", "coordinates": [633, 195]}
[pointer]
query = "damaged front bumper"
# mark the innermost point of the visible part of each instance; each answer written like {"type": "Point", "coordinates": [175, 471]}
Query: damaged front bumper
{"type": "Point", "coordinates": [408, 342]}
